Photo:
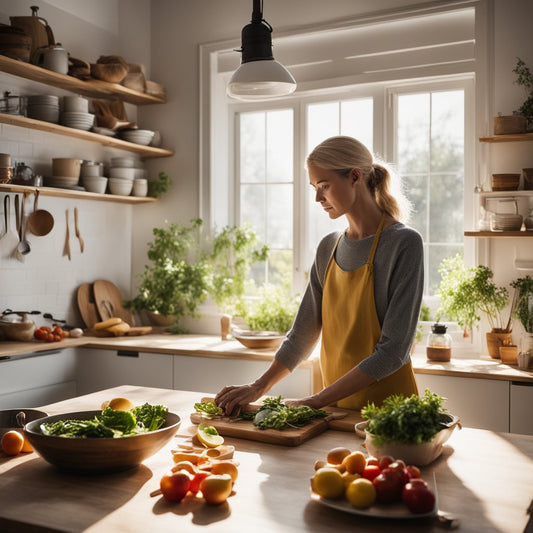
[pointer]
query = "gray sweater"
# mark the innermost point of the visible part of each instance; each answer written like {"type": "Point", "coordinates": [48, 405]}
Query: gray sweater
{"type": "Point", "coordinates": [398, 288]}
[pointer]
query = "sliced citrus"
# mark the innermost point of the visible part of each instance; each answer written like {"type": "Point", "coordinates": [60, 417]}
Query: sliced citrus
{"type": "Point", "coordinates": [208, 436]}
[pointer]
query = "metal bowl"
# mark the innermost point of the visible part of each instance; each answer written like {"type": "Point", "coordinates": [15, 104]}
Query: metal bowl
{"type": "Point", "coordinates": [259, 339]}
{"type": "Point", "coordinates": [97, 455]}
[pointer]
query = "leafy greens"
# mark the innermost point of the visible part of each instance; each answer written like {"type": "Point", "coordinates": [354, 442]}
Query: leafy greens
{"type": "Point", "coordinates": [409, 420]}
{"type": "Point", "coordinates": [111, 423]}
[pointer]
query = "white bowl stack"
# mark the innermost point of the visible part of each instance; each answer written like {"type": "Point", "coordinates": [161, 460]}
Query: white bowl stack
{"type": "Point", "coordinates": [92, 178]}
{"type": "Point", "coordinates": [121, 175]}
{"type": "Point", "coordinates": [143, 137]}
{"type": "Point", "coordinates": [43, 107]}
{"type": "Point", "coordinates": [79, 121]}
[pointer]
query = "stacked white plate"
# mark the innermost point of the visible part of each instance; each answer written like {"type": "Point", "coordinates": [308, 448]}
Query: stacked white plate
{"type": "Point", "coordinates": [43, 107]}
{"type": "Point", "coordinates": [80, 121]}
{"type": "Point", "coordinates": [505, 222]}
{"type": "Point", "coordinates": [143, 137]}
{"type": "Point", "coordinates": [61, 181]}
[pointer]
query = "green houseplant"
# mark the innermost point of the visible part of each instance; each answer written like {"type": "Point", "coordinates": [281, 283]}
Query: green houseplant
{"type": "Point", "coordinates": [523, 302]}
{"type": "Point", "coordinates": [524, 78]}
{"type": "Point", "coordinates": [466, 293]}
{"type": "Point", "coordinates": [177, 279]}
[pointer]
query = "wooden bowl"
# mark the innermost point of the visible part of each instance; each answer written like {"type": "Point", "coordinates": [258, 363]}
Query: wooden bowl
{"type": "Point", "coordinates": [97, 455]}
{"type": "Point", "coordinates": [413, 454]}
{"type": "Point", "coordinates": [260, 339]}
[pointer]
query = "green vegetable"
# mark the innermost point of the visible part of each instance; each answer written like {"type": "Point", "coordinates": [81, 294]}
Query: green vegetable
{"type": "Point", "coordinates": [208, 408]}
{"type": "Point", "coordinates": [112, 423]}
{"type": "Point", "coordinates": [275, 414]}
{"type": "Point", "coordinates": [411, 420]}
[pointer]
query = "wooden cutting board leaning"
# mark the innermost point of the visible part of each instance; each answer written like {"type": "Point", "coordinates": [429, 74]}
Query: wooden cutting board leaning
{"type": "Point", "coordinates": [245, 429]}
{"type": "Point", "coordinates": [109, 301]}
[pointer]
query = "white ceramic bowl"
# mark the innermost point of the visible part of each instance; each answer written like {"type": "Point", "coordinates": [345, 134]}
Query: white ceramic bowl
{"type": "Point", "coordinates": [140, 187]}
{"type": "Point", "coordinates": [143, 137]}
{"type": "Point", "coordinates": [122, 173]}
{"type": "Point", "coordinates": [97, 184]}
{"type": "Point", "coordinates": [139, 173]}
{"type": "Point", "coordinates": [81, 121]}
{"type": "Point", "coordinates": [124, 162]}
{"type": "Point", "coordinates": [91, 168]}
{"type": "Point", "coordinates": [413, 454]}
{"type": "Point", "coordinates": [120, 187]}
{"type": "Point", "coordinates": [75, 104]}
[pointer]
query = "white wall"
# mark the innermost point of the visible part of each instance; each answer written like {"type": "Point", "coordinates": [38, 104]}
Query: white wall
{"type": "Point", "coordinates": [47, 280]}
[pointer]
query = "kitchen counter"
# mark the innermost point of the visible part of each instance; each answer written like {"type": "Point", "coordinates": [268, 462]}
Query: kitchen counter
{"type": "Point", "coordinates": [482, 477]}
{"type": "Point", "coordinates": [212, 346]}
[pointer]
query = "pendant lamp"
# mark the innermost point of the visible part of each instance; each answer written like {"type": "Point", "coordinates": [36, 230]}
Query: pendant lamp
{"type": "Point", "coordinates": [260, 76]}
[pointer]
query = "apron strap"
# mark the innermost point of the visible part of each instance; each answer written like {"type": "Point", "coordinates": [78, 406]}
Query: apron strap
{"type": "Point", "coordinates": [376, 239]}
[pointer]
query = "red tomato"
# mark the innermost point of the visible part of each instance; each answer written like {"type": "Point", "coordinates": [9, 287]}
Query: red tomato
{"type": "Point", "coordinates": [46, 328]}
{"type": "Point", "coordinates": [417, 498]}
{"type": "Point", "coordinates": [58, 331]}
{"type": "Point", "coordinates": [371, 471]}
{"type": "Point", "coordinates": [399, 473]}
{"type": "Point", "coordinates": [372, 461]}
{"type": "Point", "coordinates": [194, 487]}
{"type": "Point", "coordinates": [40, 334]}
{"type": "Point", "coordinates": [385, 461]}
{"type": "Point", "coordinates": [175, 486]}
{"type": "Point", "coordinates": [413, 471]}
{"type": "Point", "coordinates": [50, 337]}
{"type": "Point", "coordinates": [57, 338]}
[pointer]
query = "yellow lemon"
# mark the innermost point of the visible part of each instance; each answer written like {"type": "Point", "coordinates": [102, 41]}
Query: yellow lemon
{"type": "Point", "coordinates": [361, 493]}
{"type": "Point", "coordinates": [328, 483]}
{"type": "Point", "coordinates": [354, 463]}
{"type": "Point", "coordinates": [208, 436]}
{"type": "Point", "coordinates": [119, 404]}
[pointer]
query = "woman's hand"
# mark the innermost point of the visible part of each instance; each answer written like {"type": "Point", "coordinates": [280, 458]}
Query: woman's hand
{"type": "Point", "coordinates": [233, 398]}
{"type": "Point", "coordinates": [309, 401]}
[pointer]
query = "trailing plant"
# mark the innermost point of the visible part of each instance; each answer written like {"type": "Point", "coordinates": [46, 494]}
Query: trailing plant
{"type": "Point", "coordinates": [523, 302]}
{"type": "Point", "coordinates": [234, 251]}
{"type": "Point", "coordinates": [465, 293]}
{"type": "Point", "coordinates": [158, 187]}
{"type": "Point", "coordinates": [273, 310]}
{"type": "Point", "coordinates": [525, 79]}
{"type": "Point", "coordinates": [177, 280]}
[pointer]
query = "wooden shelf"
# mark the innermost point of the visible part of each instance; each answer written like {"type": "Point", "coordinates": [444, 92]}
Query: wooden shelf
{"type": "Point", "coordinates": [91, 88]}
{"type": "Point", "coordinates": [68, 193]}
{"type": "Point", "coordinates": [518, 137]}
{"type": "Point", "coordinates": [30, 123]}
{"type": "Point", "coordinates": [509, 194]}
{"type": "Point", "coordinates": [498, 234]}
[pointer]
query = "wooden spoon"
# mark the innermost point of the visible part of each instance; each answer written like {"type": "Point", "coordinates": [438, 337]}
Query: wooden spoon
{"type": "Point", "coordinates": [82, 244]}
{"type": "Point", "coordinates": [66, 249]}
{"type": "Point", "coordinates": [40, 222]}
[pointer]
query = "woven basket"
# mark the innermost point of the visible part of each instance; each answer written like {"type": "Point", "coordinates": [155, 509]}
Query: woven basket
{"type": "Point", "coordinates": [509, 125]}
{"type": "Point", "coordinates": [505, 182]}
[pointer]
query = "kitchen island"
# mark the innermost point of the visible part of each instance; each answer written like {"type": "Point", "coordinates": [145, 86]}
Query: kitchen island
{"type": "Point", "coordinates": [483, 477]}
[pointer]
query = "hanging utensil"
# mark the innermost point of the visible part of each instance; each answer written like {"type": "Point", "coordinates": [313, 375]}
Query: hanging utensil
{"type": "Point", "coordinates": [66, 249]}
{"type": "Point", "coordinates": [40, 222]}
{"type": "Point", "coordinates": [16, 253]}
{"type": "Point", "coordinates": [82, 244]}
{"type": "Point", "coordinates": [9, 244]}
{"type": "Point", "coordinates": [24, 246]}
{"type": "Point", "coordinates": [6, 216]}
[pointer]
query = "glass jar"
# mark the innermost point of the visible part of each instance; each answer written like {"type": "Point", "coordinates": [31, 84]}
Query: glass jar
{"type": "Point", "coordinates": [525, 356]}
{"type": "Point", "coordinates": [439, 344]}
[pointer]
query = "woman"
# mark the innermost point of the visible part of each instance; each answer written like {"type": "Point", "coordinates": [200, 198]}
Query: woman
{"type": "Point", "coordinates": [364, 293]}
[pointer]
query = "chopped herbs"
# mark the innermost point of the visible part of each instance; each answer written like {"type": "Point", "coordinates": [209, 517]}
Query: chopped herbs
{"type": "Point", "coordinates": [208, 408]}
{"type": "Point", "coordinates": [274, 414]}
{"type": "Point", "coordinates": [411, 420]}
{"type": "Point", "coordinates": [112, 423]}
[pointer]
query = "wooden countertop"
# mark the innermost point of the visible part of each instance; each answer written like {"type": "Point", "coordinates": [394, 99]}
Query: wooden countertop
{"type": "Point", "coordinates": [212, 346]}
{"type": "Point", "coordinates": [483, 477]}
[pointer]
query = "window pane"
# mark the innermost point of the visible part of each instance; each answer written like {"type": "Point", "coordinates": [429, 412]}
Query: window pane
{"type": "Point", "coordinates": [413, 132]}
{"type": "Point", "coordinates": [322, 122]}
{"type": "Point", "coordinates": [279, 146]}
{"type": "Point", "coordinates": [279, 216]}
{"type": "Point", "coordinates": [435, 256]}
{"type": "Point", "coordinates": [446, 207]}
{"type": "Point", "coordinates": [252, 144]}
{"type": "Point", "coordinates": [253, 208]}
{"type": "Point", "coordinates": [416, 187]}
{"type": "Point", "coordinates": [357, 120]}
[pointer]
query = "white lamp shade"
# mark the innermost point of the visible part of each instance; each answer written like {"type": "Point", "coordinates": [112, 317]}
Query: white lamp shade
{"type": "Point", "coordinates": [259, 80]}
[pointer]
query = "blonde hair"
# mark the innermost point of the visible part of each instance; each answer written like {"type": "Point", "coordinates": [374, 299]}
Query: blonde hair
{"type": "Point", "coordinates": [342, 154]}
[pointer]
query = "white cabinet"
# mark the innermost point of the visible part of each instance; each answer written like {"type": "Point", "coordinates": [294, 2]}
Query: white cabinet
{"type": "Point", "coordinates": [101, 369]}
{"type": "Point", "coordinates": [521, 416]}
{"type": "Point", "coordinates": [211, 374]}
{"type": "Point", "coordinates": [38, 378]}
{"type": "Point", "coordinates": [479, 403]}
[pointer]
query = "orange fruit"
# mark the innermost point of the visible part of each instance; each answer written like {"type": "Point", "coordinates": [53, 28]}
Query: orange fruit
{"type": "Point", "coordinates": [336, 455]}
{"type": "Point", "coordinates": [12, 442]}
{"type": "Point", "coordinates": [26, 447]}
{"type": "Point", "coordinates": [225, 467]}
{"type": "Point", "coordinates": [354, 463]}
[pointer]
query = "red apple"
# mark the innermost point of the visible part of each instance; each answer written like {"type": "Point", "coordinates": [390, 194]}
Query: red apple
{"type": "Point", "coordinates": [175, 486]}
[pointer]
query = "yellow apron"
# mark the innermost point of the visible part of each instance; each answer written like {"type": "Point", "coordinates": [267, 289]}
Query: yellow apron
{"type": "Point", "coordinates": [351, 329]}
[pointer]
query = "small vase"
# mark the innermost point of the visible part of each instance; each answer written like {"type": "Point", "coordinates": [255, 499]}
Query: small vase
{"type": "Point", "coordinates": [495, 340]}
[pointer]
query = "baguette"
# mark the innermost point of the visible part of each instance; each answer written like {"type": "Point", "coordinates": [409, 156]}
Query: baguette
{"type": "Point", "coordinates": [108, 323]}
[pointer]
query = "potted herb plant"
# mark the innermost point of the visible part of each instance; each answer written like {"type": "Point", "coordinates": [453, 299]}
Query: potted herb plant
{"type": "Point", "coordinates": [177, 280]}
{"type": "Point", "coordinates": [466, 293]}
{"type": "Point", "coordinates": [523, 311]}
{"type": "Point", "coordinates": [524, 78]}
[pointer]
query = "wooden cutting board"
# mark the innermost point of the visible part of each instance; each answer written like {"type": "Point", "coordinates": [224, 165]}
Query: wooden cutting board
{"type": "Point", "coordinates": [109, 301]}
{"type": "Point", "coordinates": [245, 429]}
{"type": "Point", "coordinates": [87, 305]}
